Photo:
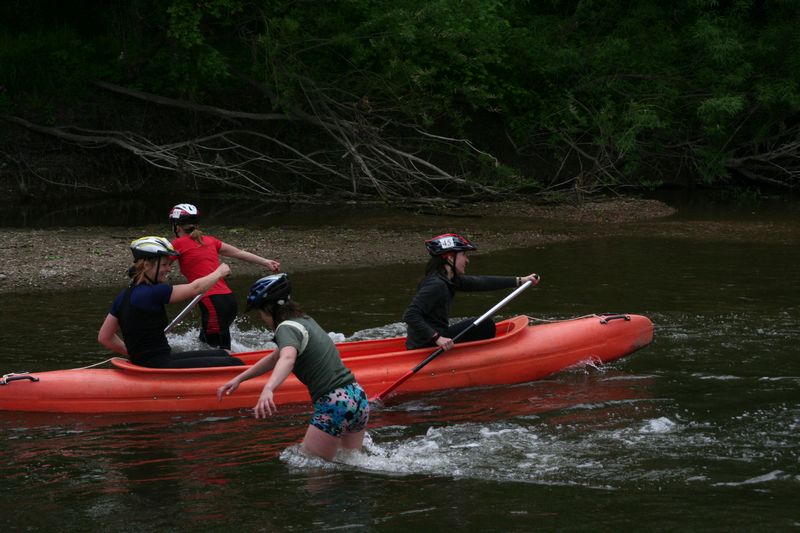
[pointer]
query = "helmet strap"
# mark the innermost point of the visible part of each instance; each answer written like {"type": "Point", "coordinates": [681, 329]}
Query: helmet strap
{"type": "Point", "coordinates": [158, 269]}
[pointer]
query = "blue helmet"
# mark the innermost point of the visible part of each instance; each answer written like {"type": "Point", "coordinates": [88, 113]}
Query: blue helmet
{"type": "Point", "coordinates": [274, 289]}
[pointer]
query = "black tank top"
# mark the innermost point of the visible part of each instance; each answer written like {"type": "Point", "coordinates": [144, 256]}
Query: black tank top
{"type": "Point", "coordinates": [142, 330]}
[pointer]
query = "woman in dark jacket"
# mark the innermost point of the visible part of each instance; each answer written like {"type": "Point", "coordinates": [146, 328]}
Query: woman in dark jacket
{"type": "Point", "coordinates": [428, 315]}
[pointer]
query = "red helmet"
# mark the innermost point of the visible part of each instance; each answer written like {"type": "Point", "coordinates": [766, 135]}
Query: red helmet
{"type": "Point", "coordinates": [449, 242]}
{"type": "Point", "coordinates": [184, 214]}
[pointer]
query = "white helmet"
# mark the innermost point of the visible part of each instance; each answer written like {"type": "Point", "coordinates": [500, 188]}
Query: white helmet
{"type": "Point", "coordinates": [151, 247]}
{"type": "Point", "coordinates": [184, 214]}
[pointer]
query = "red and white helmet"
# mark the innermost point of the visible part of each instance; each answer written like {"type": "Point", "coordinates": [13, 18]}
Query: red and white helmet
{"type": "Point", "coordinates": [449, 242]}
{"type": "Point", "coordinates": [184, 214]}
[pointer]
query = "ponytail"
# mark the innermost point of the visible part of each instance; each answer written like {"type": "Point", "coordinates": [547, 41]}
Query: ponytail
{"type": "Point", "coordinates": [192, 231]}
{"type": "Point", "coordinates": [197, 235]}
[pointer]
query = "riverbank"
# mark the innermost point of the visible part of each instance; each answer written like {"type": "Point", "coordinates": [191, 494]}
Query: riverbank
{"type": "Point", "coordinates": [71, 258]}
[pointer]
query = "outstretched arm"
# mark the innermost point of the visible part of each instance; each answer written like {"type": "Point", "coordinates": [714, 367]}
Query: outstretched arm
{"type": "Point", "coordinates": [265, 364]}
{"type": "Point", "coordinates": [231, 251]}
{"type": "Point", "coordinates": [283, 367]}
{"type": "Point", "coordinates": [198, 286]}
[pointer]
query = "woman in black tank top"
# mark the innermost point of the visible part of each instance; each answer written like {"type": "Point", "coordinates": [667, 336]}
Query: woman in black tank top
{"type": "Point", "coordinates": [139, 312]}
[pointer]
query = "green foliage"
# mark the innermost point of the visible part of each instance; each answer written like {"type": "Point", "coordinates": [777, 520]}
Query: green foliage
{"type": "Point", "coordinates": [710, 164]}
{"type": "Point", "coordinates": [637, 77]}
{"type": "Point", "coordinates": [40, 70]}
{"type": "Point", "coordinates": [620, 90]}
{"type": "Point", "coordinates": [191, 61]}
{"type": "Point", "coordinates": [718, 112]}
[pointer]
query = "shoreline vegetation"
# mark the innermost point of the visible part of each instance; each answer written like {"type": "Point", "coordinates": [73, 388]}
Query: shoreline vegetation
{"type": "Point", "coordinates": [74, 257]}
{"type": "Point", "coordinates": [402, 103]}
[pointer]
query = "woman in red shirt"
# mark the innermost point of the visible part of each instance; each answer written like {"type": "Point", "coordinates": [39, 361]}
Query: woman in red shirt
{"type": "Point", "coordinates": [199, 256]}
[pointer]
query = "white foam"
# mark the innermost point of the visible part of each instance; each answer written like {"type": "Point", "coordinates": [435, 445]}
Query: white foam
{"type": "Point", "coordinates": [658, 425]}
{"type": "Point", "coordinates": [395, 329]}
{"type": "Point", "coordinates": [336, 337]}
{"type": "Point", "coordinates": [255, 339]}
{"type": "Point", "coordinates": [771, 476]}
{"type": "Point", "coordinates": [722, 377]}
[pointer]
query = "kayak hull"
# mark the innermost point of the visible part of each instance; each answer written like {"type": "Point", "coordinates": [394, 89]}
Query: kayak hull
{"type": "Point", "coordinates": [520, 353]}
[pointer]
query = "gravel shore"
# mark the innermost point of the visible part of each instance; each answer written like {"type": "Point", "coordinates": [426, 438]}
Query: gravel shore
{"type": "Point", "coordinates": [69, 258]}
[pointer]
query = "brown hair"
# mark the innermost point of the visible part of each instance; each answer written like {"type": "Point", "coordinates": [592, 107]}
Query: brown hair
{"type": "Point", "coordinates": [192, 231]}
{"type": "Point", "coordinates": [289, 310]}
{"type": "Point", "coordinates": [136, 272]}
{"type": "Point", "coordinates": [436, 265]}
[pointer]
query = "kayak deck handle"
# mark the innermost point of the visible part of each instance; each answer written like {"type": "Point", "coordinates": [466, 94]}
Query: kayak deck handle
{"type": "Point", "coordinates": [608, 318]}
{"type": "Point", "coordinates": [16, 376]}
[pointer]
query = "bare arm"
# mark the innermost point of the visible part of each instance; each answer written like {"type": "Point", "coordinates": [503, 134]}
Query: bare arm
{"type": "Point", "coordinates": [198, 286]}
{"type": "Point", "coordinates": [107, 336]}
{"type": "Point", "coordinates": [265, 364]}
{"type": "Point", "coordinates": [231, 251]}
{"type": "Point", "coordinates": [283, 367]}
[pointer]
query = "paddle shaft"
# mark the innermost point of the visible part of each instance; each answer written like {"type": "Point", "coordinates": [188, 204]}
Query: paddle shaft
{"type": "Point", "coordinates": [438, 352]}
{"type": "Point", "coordinates": [183, 313]}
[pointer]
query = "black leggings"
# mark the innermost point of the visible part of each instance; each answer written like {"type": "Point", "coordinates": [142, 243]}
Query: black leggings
{"type": "Point", "coordinates": [192, 359]}
{"type": "Point", "coordinates": [217, 313]}
{"type": "Point", "coordinates": [484, 330]}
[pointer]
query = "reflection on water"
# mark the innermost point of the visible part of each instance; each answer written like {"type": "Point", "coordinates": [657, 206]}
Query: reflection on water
{"type": "Point", "coordinates": [231, 210]}
{"type": "Point", "coordinates": [695, 431]}
{"type": "Point", "coordinates": [144, 211]}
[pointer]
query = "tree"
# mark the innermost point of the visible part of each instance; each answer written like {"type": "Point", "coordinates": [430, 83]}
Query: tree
{"type": "Point", "coordinates": [419, 98]}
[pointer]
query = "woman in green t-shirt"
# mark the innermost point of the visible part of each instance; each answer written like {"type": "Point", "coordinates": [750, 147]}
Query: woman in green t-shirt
{"type": "Point", "coordinates": [341, 408]}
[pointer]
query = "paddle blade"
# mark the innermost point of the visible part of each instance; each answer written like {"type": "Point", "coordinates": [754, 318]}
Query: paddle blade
{"type": "Point", "coordinates": [381, 395]}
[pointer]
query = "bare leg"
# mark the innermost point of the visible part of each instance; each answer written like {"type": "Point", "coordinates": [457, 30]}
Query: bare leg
{"type": "Point", "coordinates": [317, 442]}
{"type": "Point", "coordinates": [353, 441]}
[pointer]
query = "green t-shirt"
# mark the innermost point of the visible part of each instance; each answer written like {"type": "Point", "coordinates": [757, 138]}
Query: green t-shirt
{"type": "Point", "coordinates": [318, 366]}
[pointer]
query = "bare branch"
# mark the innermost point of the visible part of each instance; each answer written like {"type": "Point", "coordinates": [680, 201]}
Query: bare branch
{"type": "Point", "coordinates": [189, 106]}
{"type": "Point", "coordinates": [340, 144]}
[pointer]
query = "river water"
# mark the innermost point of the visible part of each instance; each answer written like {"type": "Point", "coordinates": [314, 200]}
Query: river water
{"type": "Point", "coordinates": [698, 431]}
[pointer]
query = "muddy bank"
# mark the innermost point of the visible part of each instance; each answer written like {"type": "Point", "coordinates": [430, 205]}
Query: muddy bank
{"type": "Point", "coordinates": [59, 259]}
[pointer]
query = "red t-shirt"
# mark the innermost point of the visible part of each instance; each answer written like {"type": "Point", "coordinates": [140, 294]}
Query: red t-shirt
{"type": "Point", "coordinates": [197, 261]}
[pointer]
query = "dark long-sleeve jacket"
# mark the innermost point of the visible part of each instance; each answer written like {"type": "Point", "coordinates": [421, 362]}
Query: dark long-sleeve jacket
{"type": "Point", "coordinates": [429, 311]}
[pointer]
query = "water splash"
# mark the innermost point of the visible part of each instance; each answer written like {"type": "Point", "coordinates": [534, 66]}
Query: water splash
{"type": "Point", "coordinates": [775, 475]}
{"type": "Point", "coordinates": [253, 339]}
{"type": "Point", "coordinates": [658, 425]}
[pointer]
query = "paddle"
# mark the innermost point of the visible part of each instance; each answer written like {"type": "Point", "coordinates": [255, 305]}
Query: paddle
{"type": "Point", "coordinates": [183, 313]}
{"type": "Point", "coordinates": [431, 357]}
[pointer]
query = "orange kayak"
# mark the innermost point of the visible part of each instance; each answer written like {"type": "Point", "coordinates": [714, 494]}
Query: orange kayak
{"type": "Point", "coordinates": [519, 353]}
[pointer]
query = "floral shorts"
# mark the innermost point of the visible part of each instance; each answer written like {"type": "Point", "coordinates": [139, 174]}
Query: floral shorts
{"type": "Point", "coordinates": [342, 410]}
